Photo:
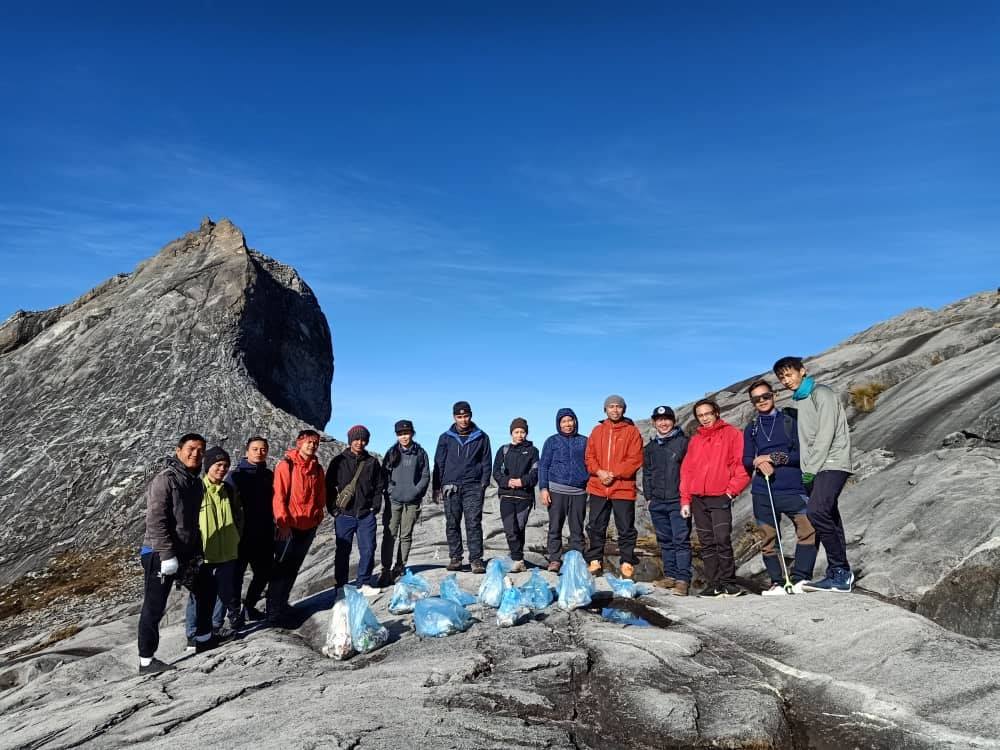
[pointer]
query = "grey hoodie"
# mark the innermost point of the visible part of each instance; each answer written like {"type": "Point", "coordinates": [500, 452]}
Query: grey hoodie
{"type": "Point", "coordinates": [408, 473]}
{"type": "Point", "coordinates": [824, 437]}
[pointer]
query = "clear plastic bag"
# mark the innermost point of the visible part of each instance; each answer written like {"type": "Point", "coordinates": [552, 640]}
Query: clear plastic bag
{"type": "Point", "coordinates": [536, 591]}
{"type": "Point", "coordinates": [367, 633]}
{"type": "Point", "coordinates": [449, 590]}
{"type": "Point", "coordinates": [626, 588]}
{"type": "Point", "coordinates": [513, 609]}
{"type": "Point", "coordinates": [493, 585]}
{"type": "Point", "coordinates": [434, 617]}
{"type": "Point", "coordinates": [338, 635]}
{"type": "Point", "coordinates": [621, 617]}
{"type": "Point", "coordinates": [576, 585]}
{"type": "Point", "coordinates": [409, 589]}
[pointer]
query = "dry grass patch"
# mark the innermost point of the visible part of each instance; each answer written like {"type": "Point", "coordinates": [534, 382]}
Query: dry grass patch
{"type": "Point", "coordinates": [863, 397]}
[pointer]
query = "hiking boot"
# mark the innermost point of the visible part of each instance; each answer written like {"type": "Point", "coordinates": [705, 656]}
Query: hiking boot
{"type": "Point", "coordinates": [367, 590]}
{"type": "Point", "coordinates": [223, 633]}
{"type": "Point", "coordinates": [776, 589]}
{"type": "Point", "coordinates": [201, 647]}
{"type": "Point", "coordinates": [252, 614]}
{"type": "Point", "coordinates": [595, 568]}
{"type": "Point", "coordinates": [455, 564]}
{"type": "Point", "coordinates": [155, 667]}
{"type": "Point", "coordinates": [730, 590]}
{"type": "Point", "coordinates": [240, 622]}
{"type": "Point", "coordinates": [667, 582]}
{"type": "Point", "coordinates": [518, 567]}
{"type": "Point", "coordinates": [554, 566]}
{"type": "Point", "coordinates": [839, 580]}
{"type": "Point", "coordinates": [478, 567]}
{"type": "Point", "coordinates": [397, 572]}
{"type": "Point", "coordinates": [681, 588]}
{"type": "Point", "coordinates": [627, 570]}
{"type": "Point", "coordinates": [385, 580]}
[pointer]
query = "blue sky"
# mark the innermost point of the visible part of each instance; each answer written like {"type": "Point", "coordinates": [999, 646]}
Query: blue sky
{"type": "Point", "coordinates": [523, 208]}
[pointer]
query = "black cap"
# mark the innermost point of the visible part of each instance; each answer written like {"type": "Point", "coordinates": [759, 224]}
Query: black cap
{"type": "Point", "coordinates": [213, 456]}
{"type": "Point", "coordinates": [404, 425]}
{"type": "Point", "coordinates": [461, 407]}
{"type": "Point", "coordinates": [664, 412]}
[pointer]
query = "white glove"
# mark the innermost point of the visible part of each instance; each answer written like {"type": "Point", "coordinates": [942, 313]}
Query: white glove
{"type": "Point", "coordinates": [168, 567]}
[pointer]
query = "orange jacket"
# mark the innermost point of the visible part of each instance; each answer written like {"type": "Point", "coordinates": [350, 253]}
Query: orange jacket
{"type": "Point", "coordinates": [713, 464]}
{"type": "Point", "coordinates": [299, 496]}
{"type": "Point", "coordinates": [614, 447]}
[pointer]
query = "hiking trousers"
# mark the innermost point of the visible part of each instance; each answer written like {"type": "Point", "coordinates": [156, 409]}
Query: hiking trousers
{"type": "Point", "coordinates": [154, 604]}
{"type": "Point", "coordinates": [467, 502]}
{"type": "Point", "coordinates": [601, 510]}
{"type": "Point", "coordinates": [258, 556]}
{"type": "Point", "coordinates": [673, 534]}
{"type": "Point", "coordinates": [824, 514]}
{"type": "Point", "coordinates": [514, 514]}
{"type": "Point", "coordinates": [794, 508]}
{"type": "Point", "coordinates": [346, 528]}
{"type": "Point", "coordinates": [562, 508]}
{"type": "Point", "coordinates": [713, 521]}
{"type": "Point", "coordinates": [398, 522]}
{"type": "Point", "coordinates": [289, 555]}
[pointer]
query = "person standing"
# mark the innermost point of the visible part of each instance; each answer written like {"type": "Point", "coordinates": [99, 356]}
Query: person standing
{"type": "Point", "coordinates": [171, 542]}
{"type": "Point", "coordinates": [712, 475]}
{"type": "Point", "coordinates": [515, 470]}
{"type": "Point", "coordinates": [562, 480]}
{"type": "Point", "coordinates": [461, 475]}
{"type": "Point", "coordinates": [354, 487]}
{"type": "Point", "coordinates": [825, 458]}
{"type": "Point", "coordinates": [298, 502]}
{"type": "Point", "coordinates": [406, 468]}
{"type": "Point", "coordinates": [614, 455]}
{"type": "Point", "coordinates": [255, 484]}
{"type": "Point", "coordinates": [771, 456]}
{"type": "Point", "coordinates": [661, 480]}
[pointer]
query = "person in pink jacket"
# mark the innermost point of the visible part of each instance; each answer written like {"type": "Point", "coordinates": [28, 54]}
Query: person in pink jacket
{"type": "Point", "coordinates": [712, 475]}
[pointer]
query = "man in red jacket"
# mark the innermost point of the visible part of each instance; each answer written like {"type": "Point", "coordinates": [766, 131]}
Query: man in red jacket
{"type": "Point", "coordinates": [299, 505]}
{"type": "Point", "coordinates": [712, 475]}
{"type": "Point", "coordinates": [614, 455]}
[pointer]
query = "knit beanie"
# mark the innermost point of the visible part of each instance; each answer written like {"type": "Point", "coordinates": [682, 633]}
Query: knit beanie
{"type": "Point", "coordinates": [213, 456]}
{"type": "Point", "coordinates": [614, 399]}
{"type": "Point", "coordinates": [358, 432]}
{"type": "Point", "coordinates": [519, 422]}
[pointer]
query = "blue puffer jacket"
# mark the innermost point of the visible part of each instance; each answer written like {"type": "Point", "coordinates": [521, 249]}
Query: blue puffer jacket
{"type": "Point", "coordinates": [563, 457]}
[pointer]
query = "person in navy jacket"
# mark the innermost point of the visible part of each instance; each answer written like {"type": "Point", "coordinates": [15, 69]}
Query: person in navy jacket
{"type": "Point", "coordinates": [562, 479]}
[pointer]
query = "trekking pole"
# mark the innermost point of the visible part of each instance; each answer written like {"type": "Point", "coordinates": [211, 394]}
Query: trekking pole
{"type": "Point", "coordinates": [789, 588]}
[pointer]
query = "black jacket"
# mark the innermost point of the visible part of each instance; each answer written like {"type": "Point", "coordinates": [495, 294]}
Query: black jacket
{"type": "Point", "coordinates": [173, 501]}
{"type": "Point", "coordinates": [516, 462]}
{"type": "Point", "coordinates": [255, 485]}
{"type": "Point", "coordinates": [367, 492]}
{"type": "Point", "coordinates": [661, 466]}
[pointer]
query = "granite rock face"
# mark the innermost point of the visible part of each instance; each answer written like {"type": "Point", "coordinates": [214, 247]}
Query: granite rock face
{"type": "Point", "coordinates": [206, 336]}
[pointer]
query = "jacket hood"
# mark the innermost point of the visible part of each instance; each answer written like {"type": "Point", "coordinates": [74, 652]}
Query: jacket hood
{"type": "Point", "coordinates": [293, 454]}
{"type": "Point", "coordinates": [619, 424]}
{"type": "Point", "coordinates": [525, 444]}
{"type": "Point", "coordinates": [473, 433]}
{"type": "Point", "coordinates": [566, 412]}
{"type": "Point", "coordinates": [717, 425]}
{"type": "Point", "coordinates": [246, 467]}
{"type": "Point", "coordinates": [174, 464]}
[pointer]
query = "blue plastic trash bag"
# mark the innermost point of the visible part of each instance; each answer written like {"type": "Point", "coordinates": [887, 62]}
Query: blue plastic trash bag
{"type": "Point", "coordinates": [450, 590]}
{"type": "Point", "coordinates": [491, 589]}
{"type": "Point", "coordinates": [513, 609]}
{"type": "Point", "coordinates": [536, 591]}
{"type": "Point", "coordinates": [622, 617]}
{"type": "Point", "coordinates": [625, 588]}
{"type": "Point", "coordinates": [434, 617]}
{"type": "Point", "coordinates": [367, 633]}
{"type": "Point", "coordinates": [576, 585]}
{"type": "Point", "coordinates": [409, 589]}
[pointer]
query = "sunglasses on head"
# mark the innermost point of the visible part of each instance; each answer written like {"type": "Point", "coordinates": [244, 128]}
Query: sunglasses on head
{"type": "Point", "coordinates": [762, 397]}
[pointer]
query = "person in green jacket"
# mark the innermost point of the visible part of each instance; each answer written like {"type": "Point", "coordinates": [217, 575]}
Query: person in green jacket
{"type": "Point", "coordinates": [220, 522]}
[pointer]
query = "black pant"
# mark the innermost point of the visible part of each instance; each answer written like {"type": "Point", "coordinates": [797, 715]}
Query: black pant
{"type": "Point", "coordinates": [515, 520]}
{"type": "Point", "coordinates": [467, 502]}
{"type": "Point", "coordinates": [601, 509]}
{"type": "Point", "coordinates": [259, 557]}
{"type": "Point", "coordinates": [289, 555]}
{"type": "Point", "coordinates": [215, 580]}
{"type": "Point", "coordinates": [713, 520]}
{"type": "Point", "coordinates": [824, 514]}
{"type": "Point", "coordinates": [154, 604]}
{"type": "Point", "coordinates": [563, 507]}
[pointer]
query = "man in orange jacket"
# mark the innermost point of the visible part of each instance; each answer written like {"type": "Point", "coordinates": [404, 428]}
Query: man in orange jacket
{"type": "Point", "coordinates": [299, 505]}
{"type": "Point", "coordinates": [614, 455]}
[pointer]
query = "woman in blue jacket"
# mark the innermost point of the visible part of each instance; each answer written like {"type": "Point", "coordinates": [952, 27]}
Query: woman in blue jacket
{"type": "Point", "coordinates": [562, 479]}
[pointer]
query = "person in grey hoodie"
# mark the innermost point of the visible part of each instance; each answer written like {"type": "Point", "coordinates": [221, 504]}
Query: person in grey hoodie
{"type": "Point", "coordinates": [825, 460]}
{"type": "Point", "coordinates": [407, 470]}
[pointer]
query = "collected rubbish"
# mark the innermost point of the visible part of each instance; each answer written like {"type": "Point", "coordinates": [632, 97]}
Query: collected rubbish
{"type": "Point", "coordinates": [409, 589]}
{"type": "Point", "coordinates": [576, 585]}
{"type": "Point", "coordinates": [493, 585]}
{"type": "Point", "coordinates": [625, 588]}
{"type": "Point", "coordinates": [449, 590]}
{"type": "Point", "coordinates": [434, 617]}
{"type": "Point", "coordinates": [513, 609]}
{"type": "Point", "coordinates": [621, 617]}
{"type": "Point", "coordinates": [536, 591]}
{"type": "Point", "coordinates": [353, 627]}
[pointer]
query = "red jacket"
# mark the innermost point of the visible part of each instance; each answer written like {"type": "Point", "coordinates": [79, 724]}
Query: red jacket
{"type": "Point", "coordinates": [615, 447]}
{"type": "Point", "coordinates": [300, 495]}
{"type": "Point", "coordinates": [713, 464]}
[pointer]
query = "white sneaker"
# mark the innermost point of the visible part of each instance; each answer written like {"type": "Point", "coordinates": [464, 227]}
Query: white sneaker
{"type": "Point", "coordinates": [799, 587]}
{"type": "Point", "coordinates": [776, 590]}
{"type": "Point", "coordinates": [367, 590]}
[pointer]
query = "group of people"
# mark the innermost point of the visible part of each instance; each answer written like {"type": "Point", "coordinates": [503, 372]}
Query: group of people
{"type": "Point", "coordinates": [205, 531]}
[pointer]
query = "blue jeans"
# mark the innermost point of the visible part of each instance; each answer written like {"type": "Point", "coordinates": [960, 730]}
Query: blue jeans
{"type": "Point", "coordinates": [220, 578]}
{"type": "Point", "coordinates": [346, 527]}
{"type": "Point", "coordinates": [673, 534]}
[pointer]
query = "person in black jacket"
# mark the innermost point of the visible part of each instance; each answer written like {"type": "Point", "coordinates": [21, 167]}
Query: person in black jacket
{"type": "Point", "coordinates": [515, 470]}
{"type": "Point", "coordinates": [661, 478]}
{"type": "Point", "coordinates": [255, 484]}
{"type": "Point", "coordinates": [358, 514]}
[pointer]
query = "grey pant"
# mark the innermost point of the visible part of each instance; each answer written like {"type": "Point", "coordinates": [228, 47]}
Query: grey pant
{"type": "Point", "coordinates": [398, 521]}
